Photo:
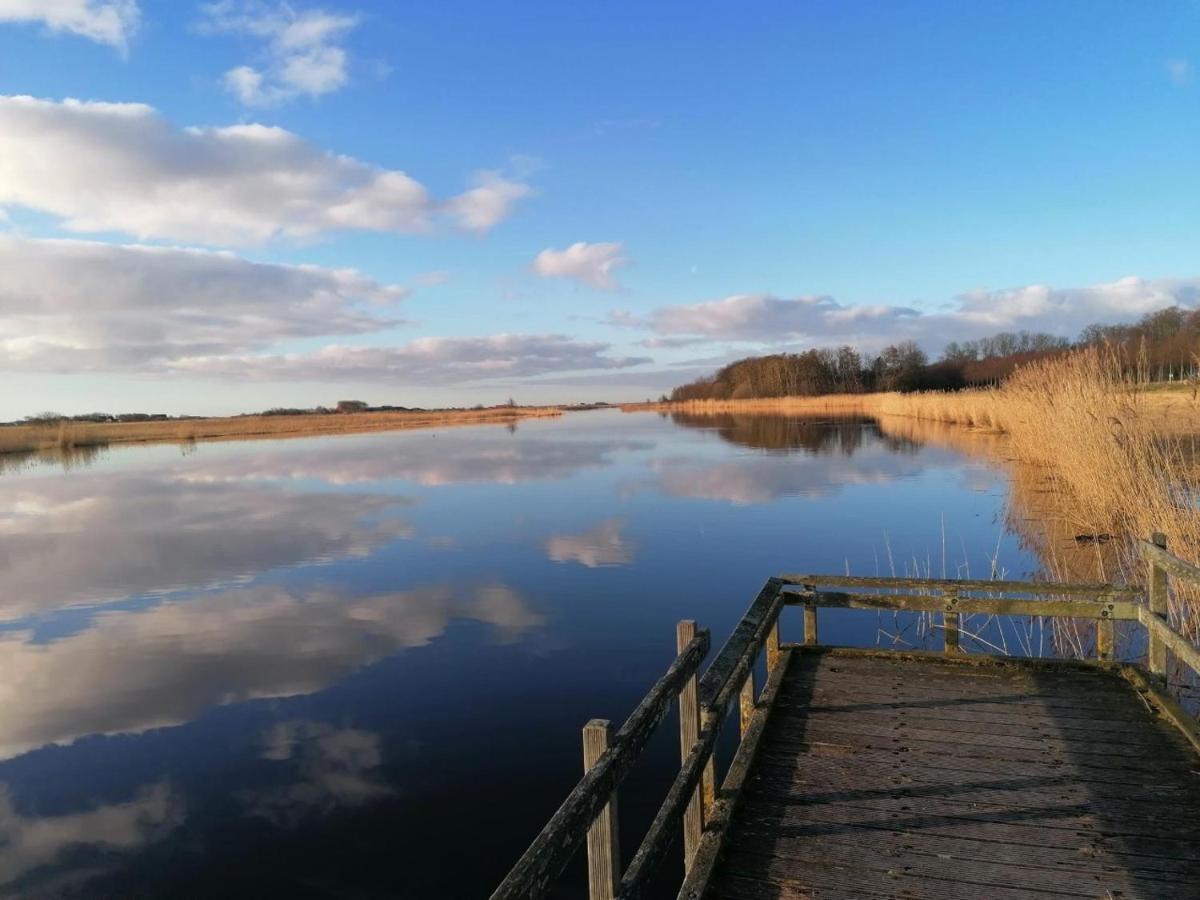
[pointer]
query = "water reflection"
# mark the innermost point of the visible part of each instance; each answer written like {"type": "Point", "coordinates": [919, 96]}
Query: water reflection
{"type": "Point", "coordinates": [843, 435]}
{"type": "Point", "coordinates": [131, 671]}
{"type": "Point", "coordinates": [28, 842]}
{"type": "Point", "coordinates": [324, 769]}
{"type": "Point", "coordinates": [345, 658]}
{"type": "Point", "coordinates": [603, 545]}
{"type": "Point", "coordinates": [426, 458]}
{"type": "Point", "coordinates": [65, 542]}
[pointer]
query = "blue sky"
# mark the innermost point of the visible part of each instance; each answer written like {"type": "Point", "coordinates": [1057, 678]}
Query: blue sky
{"type": "Point", "coordinates": [567, 201]}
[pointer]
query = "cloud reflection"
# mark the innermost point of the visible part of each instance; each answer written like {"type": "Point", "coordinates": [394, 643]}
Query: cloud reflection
{"type": "Point", "coordinates": [431, 458]}
{"type": "Point", "coordinates": [29, 842]}
{"type": "Point", "coordinates": [67, 541]}
{"type": "Point", "coordinates": [132, 671]}
{"type": "Point", "coordinates": [600, 546]}
{"type": "Point", "coordinates": [749, 480]}
{"type": "Point", "coordinates": [333, 768]}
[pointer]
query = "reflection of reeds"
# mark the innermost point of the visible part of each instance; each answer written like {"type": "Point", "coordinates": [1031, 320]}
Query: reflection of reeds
{"type": "Point", "coordinates": [70, 435]}
{"type": "Point", "coordinates": [1097, 447]}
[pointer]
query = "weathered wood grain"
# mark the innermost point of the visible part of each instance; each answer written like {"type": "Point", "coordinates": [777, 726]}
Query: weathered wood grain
{"type": "Point", "coordinates": [536, 870]}
{"type": "Point", "coordinates": [967, 585]}
{"type": "Point", "coordinates": [1000, 606]}
{"type": "Point", "coordinates": [930, 778]}
{"type": "Point", "coordinates": [603, 843]}
{"type": "Point", "coordinates": [1155, 551]}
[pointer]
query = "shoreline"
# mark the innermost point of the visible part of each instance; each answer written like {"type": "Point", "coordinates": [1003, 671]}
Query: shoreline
{"type": "Point", "coordinates": [22, 439]}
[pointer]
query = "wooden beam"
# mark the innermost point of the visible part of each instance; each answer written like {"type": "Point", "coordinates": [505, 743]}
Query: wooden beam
{"type": "Point", "coordinates": [689, 735]}
{"type": "Point", "coordinates": [603, 845]}
{"type": "Point", "coordinates": [969, 585]}
{"type": "Point", "coordinates": [950, 621]}
{"type": "Point", "coordinates": [1155, 550]}
{"type": "Point", "coordinates": [535, 872]}
{"type": "Point", "coordinates": [695, 884]}
{"type": "Point", "coordinates": [662, 830]}
{"type": "Point", "coordinates": [1164, 705]}
{"type": "Point", "coordinates": [746, 703]}
{"type": "Point", "coordinates": [810, 625]}
{"type": "Point", "coordinates": [1167, 638]}
{"type": "Point", "coordinates": [748, 631]}
{"type": "Point", "coordinates": [1000, 606]}
{"type": "Point", "coordinates": [1157, 556]}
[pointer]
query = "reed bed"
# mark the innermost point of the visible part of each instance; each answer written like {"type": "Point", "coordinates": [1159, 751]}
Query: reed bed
{"type": "Point", "coordinates": [74, 435]}
{"type": "Point", "coordinates": [1107, 457]}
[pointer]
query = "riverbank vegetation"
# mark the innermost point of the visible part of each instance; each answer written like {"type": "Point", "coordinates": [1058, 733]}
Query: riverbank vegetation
{"type": "Point", "coordinates": [47, 433]}
{"type": "Point", "coordinates": [1162, 346]}
{"type": "Point", "coordinates": [1104, 450]}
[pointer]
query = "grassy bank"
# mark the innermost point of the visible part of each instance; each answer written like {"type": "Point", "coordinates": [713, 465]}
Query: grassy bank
{"type": "Point", "coordinates": [1110, 454]}
{"type": "Point", "coordinates": [71, 435]}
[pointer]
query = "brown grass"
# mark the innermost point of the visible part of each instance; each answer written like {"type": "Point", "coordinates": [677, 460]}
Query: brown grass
{"type": "Point", "coordinates": [1099, 451]}
{"type": "Point", "coordinates": [72, 435]}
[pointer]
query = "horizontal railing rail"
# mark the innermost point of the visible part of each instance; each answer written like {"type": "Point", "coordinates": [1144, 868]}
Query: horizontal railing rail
{"type": "Point", "coordinates": [551, 851]}
{"type": "Point", "coordinates": [725, 678]}
{"type": "Point", "coordinates": [696, 807]}
{"type": "Point", "coordinates": [969, 585]}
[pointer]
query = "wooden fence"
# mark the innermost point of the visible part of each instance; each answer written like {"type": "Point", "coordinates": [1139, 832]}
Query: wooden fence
{"type": "Point", "coordinates": [696, 807]}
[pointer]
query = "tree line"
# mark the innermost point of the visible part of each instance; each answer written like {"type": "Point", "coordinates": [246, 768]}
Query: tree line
{"type": "Point", "coordinates": [1163, 345]}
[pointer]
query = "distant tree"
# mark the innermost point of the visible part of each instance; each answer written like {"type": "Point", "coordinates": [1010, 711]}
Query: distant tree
{"type": "Point", "coordinates": [351, 406]}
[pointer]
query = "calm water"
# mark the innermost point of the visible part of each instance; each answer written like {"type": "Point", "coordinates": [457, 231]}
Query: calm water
{"type": "Point", "coordinates": [358, 666]}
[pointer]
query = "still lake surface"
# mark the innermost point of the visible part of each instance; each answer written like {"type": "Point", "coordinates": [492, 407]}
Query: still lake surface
{"type": "Point", "coordinates": [358, 666]}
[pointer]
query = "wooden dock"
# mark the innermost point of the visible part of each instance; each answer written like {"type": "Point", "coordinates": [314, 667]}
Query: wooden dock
{"type": "Point", "coordinates": [919, 778]}
{"type": "Point", "coordinates": [877, 773]}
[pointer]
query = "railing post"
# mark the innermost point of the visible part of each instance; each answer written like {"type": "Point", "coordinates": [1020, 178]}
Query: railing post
{"type": "Point", "coordinates": [1104, 637]}
{"type": "Point", "coordinates": [603, 846]}
{"type": "Point", "coordinates": [772, 644]}
{"type": "Point", "coordinates": [746, 703]}
{"type": "Point", "coordinates": [810, 618]}
{"type": "Point", "coordinates": [950, 629]}
{"type": "Point", "coordinates": [1158, 606]}
{"type": "Point", "coordinates": [689, 734]}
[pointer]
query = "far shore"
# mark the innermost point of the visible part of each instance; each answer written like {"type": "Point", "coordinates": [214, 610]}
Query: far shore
{"type": "Point", "coordinates": [68, 435]}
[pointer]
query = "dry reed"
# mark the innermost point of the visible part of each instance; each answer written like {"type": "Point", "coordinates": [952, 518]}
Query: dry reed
{"type": "Point", "coordinates": [72, 435]}
{"type": "Point", "coordinates": [1110, 455]}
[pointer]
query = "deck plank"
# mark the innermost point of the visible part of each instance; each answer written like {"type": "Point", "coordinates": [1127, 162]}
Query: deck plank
{"type": "Point", "coordinates": [926, 779]}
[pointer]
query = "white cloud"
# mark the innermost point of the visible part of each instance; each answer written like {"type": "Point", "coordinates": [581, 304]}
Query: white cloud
{"type": "Point", "coordinates": [303, 52]}
{"type": "Point", "coordinates": [82, 306]}
{"type": "Point", "coordinates": [487, 204]}
{"type": "Point", "coordinates": [821, 320]}
{"type": "Point", "coordinates": [75, 306]}
{"type": "Point", "coordinates": [596, 548]}
{"type": "Point", "coordinates": [592, 264]}
{"type": "Point", "coordinates": [1180, 71]}
{"type": "Point", "coordinates": [111, 22]}
{"type": "Point", "coordinates": [122, 167]}
{"type": "Point", "coordinates": [426, 361]}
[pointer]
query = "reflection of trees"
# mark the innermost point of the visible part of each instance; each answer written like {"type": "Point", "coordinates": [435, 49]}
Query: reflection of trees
{"type": "Point", "coordinates": [815, 436]}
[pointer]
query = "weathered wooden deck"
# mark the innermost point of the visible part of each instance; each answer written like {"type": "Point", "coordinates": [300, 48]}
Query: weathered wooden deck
{"type": "Point", "coordinates": [876, 773]}
{"type": "Point", "coordinates": [918, 778]}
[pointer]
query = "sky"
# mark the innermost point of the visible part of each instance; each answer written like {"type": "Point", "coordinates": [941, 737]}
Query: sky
{"type": "Point", "coordinates": [219, 207]}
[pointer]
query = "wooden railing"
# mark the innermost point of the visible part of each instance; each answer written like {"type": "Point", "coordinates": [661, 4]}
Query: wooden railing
{"type": "Point", "coordinates": [694, 806]}
{"type": "Point", "coordinates": [590, 810]}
